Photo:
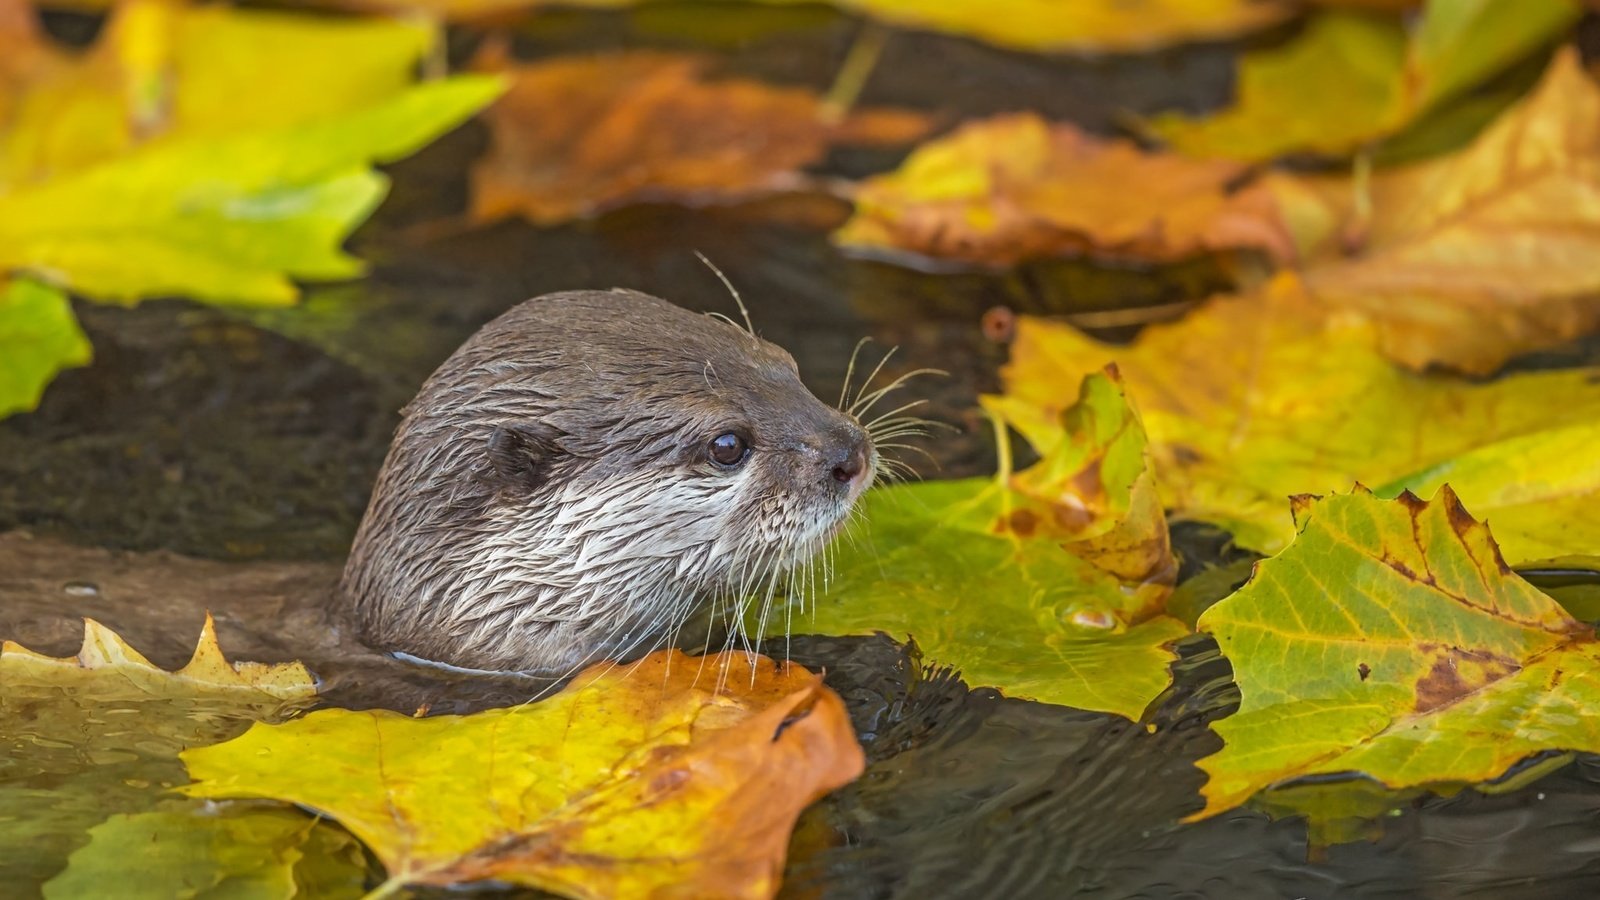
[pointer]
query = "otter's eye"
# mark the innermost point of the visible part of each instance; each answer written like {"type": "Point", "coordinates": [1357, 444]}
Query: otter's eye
{"type": "Point", "coordinates": [728, 449]}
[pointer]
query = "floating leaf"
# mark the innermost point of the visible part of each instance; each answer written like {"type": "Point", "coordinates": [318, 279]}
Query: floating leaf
{"type": "Point", "coordinates": [575, 137]}
{"type": "Point", "coordinates": [99, 733]}
{"type": "Point", "coordinates": [1248, 401]}
{"type": "Point", "coordinates": [199, 177]}
{"type": "Point", "coordinates": [1469, 259]}
{"type": "Point", "coordinates": [235, 851]}
{"type": "Point", "coordinates": [1015, 187]}
{"type": "Point", "coordinates": [225, 219]}
{"type": "Point", "coordinates": [1093, 487]}
{"type": "Point", "coordinates": [164, 71]}
{"type": "Point", "coordinates": [1391, 639]}
{"type": "Point", "coordinates": [39, 336]}
{"type": "Point", "coordinates": [1083, 25]}
{"type": "Point", "coordinates": [982, 577]}
{"type": "Point", "coordinates": [674, 772]}
{"type": "Point", "coordinates": [106, 663]}
{"type": "Point", "coordinates": [1386, 80]}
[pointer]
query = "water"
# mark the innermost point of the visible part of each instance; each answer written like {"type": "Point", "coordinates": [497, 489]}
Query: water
{"type": "Point", "coordinates": [248, 441]}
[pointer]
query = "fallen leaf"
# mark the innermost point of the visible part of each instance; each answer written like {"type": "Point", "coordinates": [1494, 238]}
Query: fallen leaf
{"type": "Point", "coordinates": [1386, 77]}
{"type": "Point", "coordinates": [1007, 585]}
{"type": "Point", "coordinates": [1250, 400]}
{"type": "Point", "coordinates": [99, 733]}
{"type": "Point", "coordinates": [672, 774]}
{"type": "Point", "coordinates": [226, 219]}
{"type": "Point", "coordinates": [1391, 639]}
{"type": "Point", "coordinates": [576, 137]}
{"type": "Point", "coordinates": [104, 655]}
{"type": "Point", "coordinates": [160, 162]}
{"type": "Point", "coordinates": [1015, 187]}
{"type": "Point", "coordinates": [165, 71]}
{"type": "Point", "coordinates": [39, 336]}
{"type": "Point", "coordinates": [1105, 26]}
{"type": "Point", "coordinates": [1469, 259]}
{"type": "Point", "coordinates": [235, 851]}
{"type": "Point", "coordinates": [1093, 486]}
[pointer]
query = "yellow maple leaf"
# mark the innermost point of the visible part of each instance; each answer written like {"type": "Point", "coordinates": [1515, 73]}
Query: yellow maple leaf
{"type": "Point", "coordinates": [1016, 187]}
{"type": "Point", "coordinates": [1469, 259]}
{"type": "Point", "coordinates": [675, 773]}
{"type": "Point", "coordinates": [1250, 400]}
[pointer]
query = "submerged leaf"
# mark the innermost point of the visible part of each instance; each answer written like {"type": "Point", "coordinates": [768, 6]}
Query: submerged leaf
{"type": "Point", "coordinates": [575, 137]}
{"type": "Point", "coordinates": [239, 851]}
{"type": "Point", "coordinates": [1385, 79]}
{"type": "Point", "coordinates": [1391, 639]}
{"type": "Point", "coordinates": [1470, 259]}
{"type": "Point", "coordinates": [1052, 591]}
{"type": "Point", "coordinates": [39, 336]}
{"type": "Point", "coordinates": [1015, 187]}
{"type": "Point", "coordinates": [1249, 401]}
{"type": "Point", "coordinates": [99, 733]}
{"type": "Point", "coordinates": [676, 771]}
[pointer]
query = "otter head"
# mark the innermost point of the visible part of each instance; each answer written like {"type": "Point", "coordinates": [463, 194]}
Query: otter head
{"type": "Point", "coordinates": [587, 474]}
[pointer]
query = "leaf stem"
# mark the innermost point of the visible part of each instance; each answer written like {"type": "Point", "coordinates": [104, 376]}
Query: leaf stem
{"type": "Point", "coordinates": [388, 889]}
{"type": "Point", "coordinates": [854, 72]}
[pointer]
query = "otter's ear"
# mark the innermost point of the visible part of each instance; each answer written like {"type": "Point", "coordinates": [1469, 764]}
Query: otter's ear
{"type": "Point", "coordinates": [520, 456]}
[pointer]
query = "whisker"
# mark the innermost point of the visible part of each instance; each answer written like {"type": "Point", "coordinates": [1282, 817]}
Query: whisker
{"type": "Point", "coordinates": [856, 400]}
{"type": "Point", "coordinates": [865, 403]}
{"type": "Point", "coordinates": [850, 371]}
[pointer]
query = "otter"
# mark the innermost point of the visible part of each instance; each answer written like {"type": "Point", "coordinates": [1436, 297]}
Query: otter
{"type": "Point", "coordinates": [587, 475]}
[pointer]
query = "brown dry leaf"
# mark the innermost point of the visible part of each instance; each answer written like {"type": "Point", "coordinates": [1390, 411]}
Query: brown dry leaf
{"type": "Point", "coordinates": [104, 652]}
{"type": "Point", "coordinates": [1473, 258]}
{"type": "Point", "coordinates": [578, 136]}
{"type": "Point", "coordinates": [1015, 187]}
{"type": "Point", "coordinates": [671, 777]}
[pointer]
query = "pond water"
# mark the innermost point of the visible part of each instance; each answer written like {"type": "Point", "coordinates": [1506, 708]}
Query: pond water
{"type": "Point", "coordinates": [248, 440]}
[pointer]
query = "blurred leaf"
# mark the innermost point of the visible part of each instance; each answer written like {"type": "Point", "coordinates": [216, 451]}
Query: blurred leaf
{"type": "Point", "coordinates": [163, 72]}
{"type": "Point", "coordinates": [1015, 187]}
{"type": "Point", "coordinates": [226, 219]}
{"type": "Point", "coordinates": [575, 137]}
{"type": "Point", "coordinates": [1008, 586]}
{"type": "Point", "coordinates": [1249, 400]}
{"type": "Point", "coordinates": [1385, 79]}
{"type": "Point", "coordinates": [97, 734]}
{"type": "Point", "coordinates": [1390, 638]}
{"type": "Point", "coordinates": [1086, 26]}
{"type": "Point", "coordinates": [1083, 25]}
{"type": "Point", "coordinates": [39, 336]}
{"type": "Point", "coordinates": [248, 852]}
{"type": "Point", "coordinates": [162, 162]}
{"type": "Point", "coordinates": [673, 774]}
{"type": "Point", "coordinates": [1470, 259]}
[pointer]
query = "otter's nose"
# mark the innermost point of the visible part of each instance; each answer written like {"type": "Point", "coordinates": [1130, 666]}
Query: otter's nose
{"type": "Point", "coordinates": [850, 461]}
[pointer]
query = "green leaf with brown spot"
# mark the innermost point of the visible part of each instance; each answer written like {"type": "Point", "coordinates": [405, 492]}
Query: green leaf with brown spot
{"type": "Point", "coordinates": [1391, 639]}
